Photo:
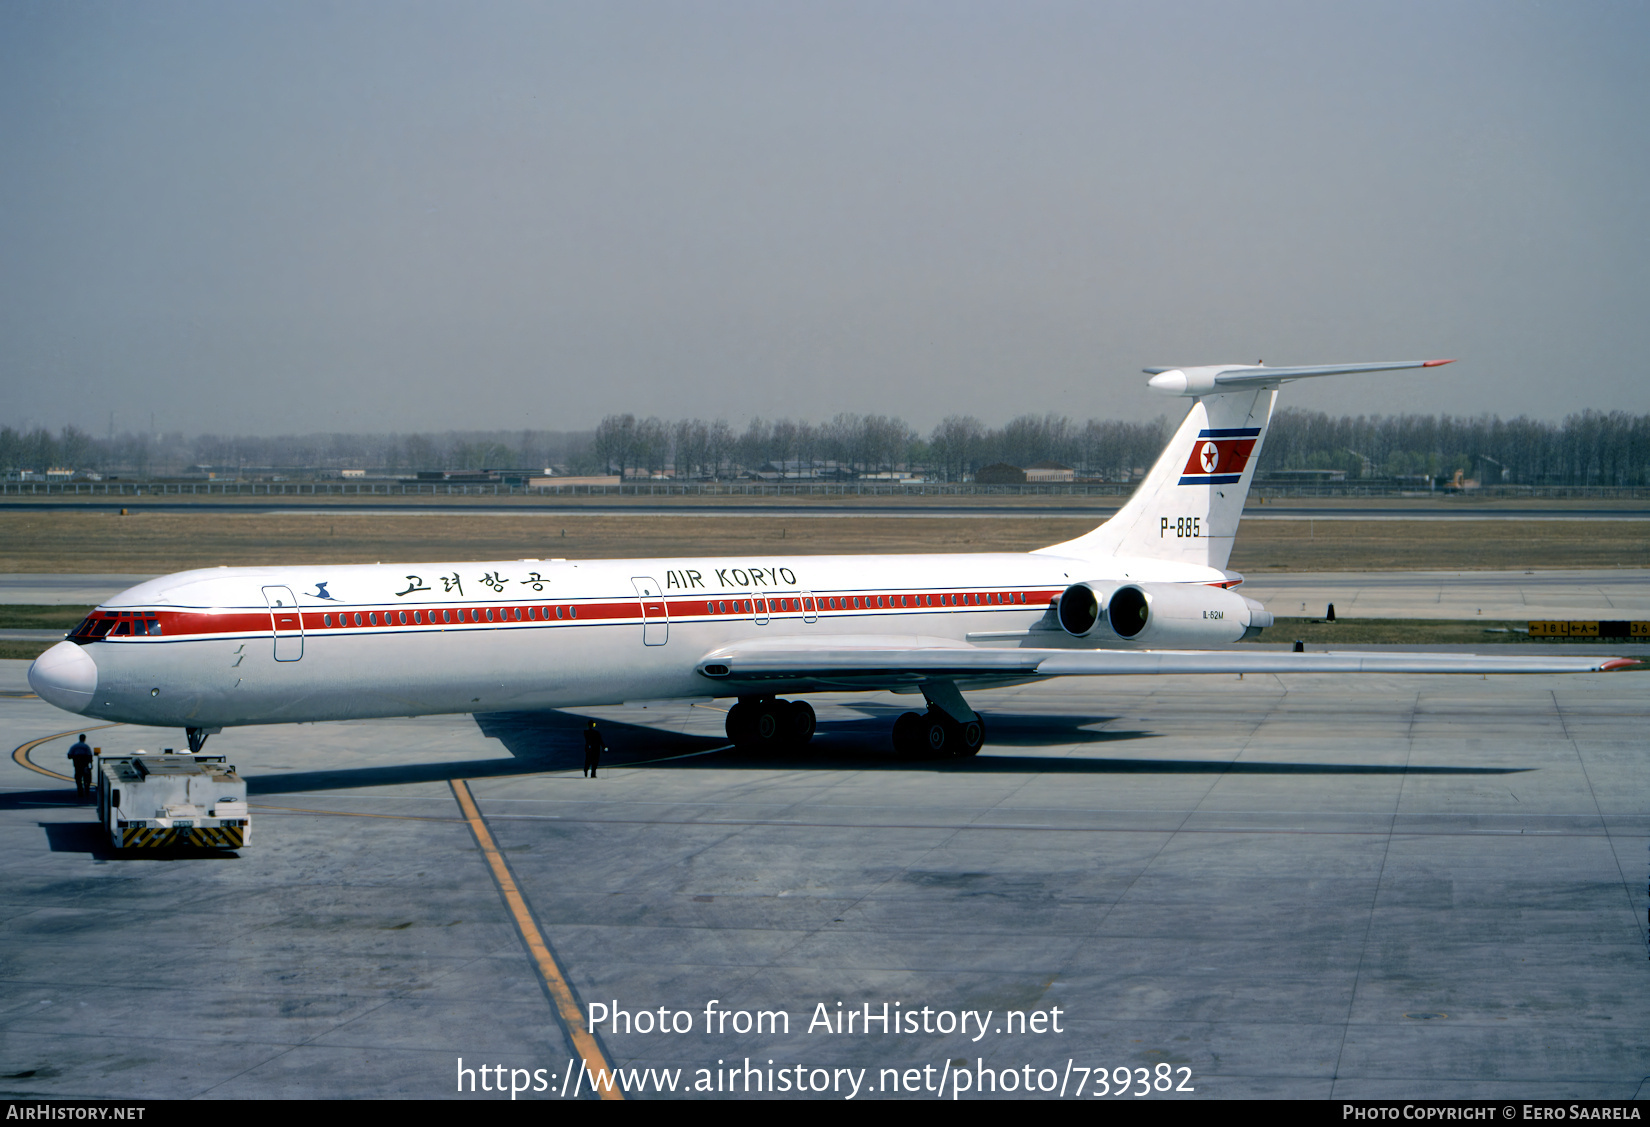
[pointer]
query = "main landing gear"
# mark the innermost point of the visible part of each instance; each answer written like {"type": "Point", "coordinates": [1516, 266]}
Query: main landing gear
{"type": "Point", "coordinates": [935, 735]}
{"type": "Point", "coordinates": [769, 724]}
{"type": "Point", "coordinates": [948, 730]}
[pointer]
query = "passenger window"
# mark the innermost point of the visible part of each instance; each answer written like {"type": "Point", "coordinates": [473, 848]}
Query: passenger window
{"type": "Point", "coordinates": [372, 617]}
{"type": "Point", "coordinates": [489, 614]}
{"type": "Point", "coordinates": [572, 612]}
{"type": "Point", "coordinates": [327, 618]}
{"type": "Point", "coordinates": [418, 617]}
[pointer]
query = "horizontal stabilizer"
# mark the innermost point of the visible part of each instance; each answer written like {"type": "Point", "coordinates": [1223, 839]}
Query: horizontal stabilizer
{"type": "Point", "coordinates": [1210, 378]}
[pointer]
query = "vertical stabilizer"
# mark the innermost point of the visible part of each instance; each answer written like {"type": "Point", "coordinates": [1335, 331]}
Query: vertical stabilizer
{"type": "Point", "coordinates": [1187, 509]}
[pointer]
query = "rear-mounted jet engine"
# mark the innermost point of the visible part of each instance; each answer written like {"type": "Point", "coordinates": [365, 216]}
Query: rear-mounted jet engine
{"type": "Point", "coordinates": [1159, 614]}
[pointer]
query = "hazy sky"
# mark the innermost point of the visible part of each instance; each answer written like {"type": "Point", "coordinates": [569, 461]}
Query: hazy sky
{"type": "Point", "coordinates": [363, 216]}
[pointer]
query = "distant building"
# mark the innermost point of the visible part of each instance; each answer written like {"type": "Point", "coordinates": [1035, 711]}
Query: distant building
{"type": "Point", "coordinates": [461, 477]}
{"type": "Point", "coordinates": [798, 469]}
{"type": "Point", "coordinates": [1000, 473]}
{"type": "Point", "coordinates": [36, 475]}
{"type": "Point", "coordinates": [589, 479]}
{"type": "Point", "coordinates": [1280, 477]}
{"type": "Point", "coordinates": [1047, 471]}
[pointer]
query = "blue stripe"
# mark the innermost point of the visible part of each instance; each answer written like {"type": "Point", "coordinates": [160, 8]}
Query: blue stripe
{"type": "Point", "coordinates": [1221, 479]}
{"type": "Point", "coordinates": [1231, 432]}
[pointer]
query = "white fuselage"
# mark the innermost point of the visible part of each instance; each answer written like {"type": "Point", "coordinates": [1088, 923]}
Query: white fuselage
{"type": "Point", "coordinates": [231, 646]}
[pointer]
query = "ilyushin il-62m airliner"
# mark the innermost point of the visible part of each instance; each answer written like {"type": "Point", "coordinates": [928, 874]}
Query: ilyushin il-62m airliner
{"type": "Point", "coordinates": [1146, 592]}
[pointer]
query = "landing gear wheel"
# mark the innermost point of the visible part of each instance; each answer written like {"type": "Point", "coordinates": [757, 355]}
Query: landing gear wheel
{"type": "Point", "coordinates": [909, 735]}
{"type": "Point", "coordinates": [738, 724]}
{"type": "Point", "coordinates": [939, 735]}
{"type": "Point", "coordinates": [765, 729]}
{"type": "Point", "coordinates": [799, 719]}
{"type": "Point", "coordinates": [971, 737]}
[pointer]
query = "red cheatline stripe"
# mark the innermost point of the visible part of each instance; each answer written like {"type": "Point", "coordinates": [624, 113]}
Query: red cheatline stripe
{"type": "Point", "coordinates": [176, 625]}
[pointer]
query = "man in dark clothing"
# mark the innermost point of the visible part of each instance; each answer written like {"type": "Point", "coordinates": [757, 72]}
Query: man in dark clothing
{"type": "Point", "coordinates": [593, 748]}
{"type": "Point", "coordinates": [81, 756]}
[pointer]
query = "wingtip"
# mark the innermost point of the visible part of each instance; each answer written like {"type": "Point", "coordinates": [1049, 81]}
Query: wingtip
{"type": "Point", "coordinates": [1436, 363]}
{"type": "Point", "coordinates": [1617, 663]}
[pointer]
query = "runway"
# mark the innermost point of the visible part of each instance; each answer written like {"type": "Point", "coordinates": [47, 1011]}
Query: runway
{"type": "Point", "coordinates": [1375, 887]}
{"type": "Point", "coordinates": [1620, 593]}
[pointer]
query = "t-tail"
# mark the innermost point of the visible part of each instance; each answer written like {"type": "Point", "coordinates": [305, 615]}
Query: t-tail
{"type": "Point", "coordinates": [1187, 509]}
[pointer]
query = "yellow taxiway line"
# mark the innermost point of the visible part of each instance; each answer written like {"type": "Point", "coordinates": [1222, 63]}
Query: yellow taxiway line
{"type": "Point", "coordinates": [21, 755]}
{"type": "Point", "coordinates": [583, 1043]}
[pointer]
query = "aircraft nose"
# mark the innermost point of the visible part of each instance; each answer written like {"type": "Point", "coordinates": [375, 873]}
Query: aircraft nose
{"type": "Point", "coordinates": [66, 676]}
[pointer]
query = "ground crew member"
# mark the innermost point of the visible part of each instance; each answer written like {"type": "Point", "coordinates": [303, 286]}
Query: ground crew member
{"type": "Point", "coordinates": [593, 748]}
{"type": "Point", "coordinates": [81, 756]}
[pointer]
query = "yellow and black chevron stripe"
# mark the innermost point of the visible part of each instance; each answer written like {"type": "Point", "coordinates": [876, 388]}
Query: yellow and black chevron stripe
{"type": "Point", "coordinates": [208, 837]}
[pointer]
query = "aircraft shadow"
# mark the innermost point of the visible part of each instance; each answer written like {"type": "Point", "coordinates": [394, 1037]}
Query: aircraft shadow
{"type": "Point", "coordinates": [554, 740]}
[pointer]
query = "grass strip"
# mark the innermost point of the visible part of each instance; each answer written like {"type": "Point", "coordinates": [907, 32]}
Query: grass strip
{"type": "Point", "coordinates": [27, 616]}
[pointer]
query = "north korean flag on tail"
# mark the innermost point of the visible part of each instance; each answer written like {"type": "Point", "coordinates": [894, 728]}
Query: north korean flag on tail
{"type": "Point", "coordinates": [1219, 457]}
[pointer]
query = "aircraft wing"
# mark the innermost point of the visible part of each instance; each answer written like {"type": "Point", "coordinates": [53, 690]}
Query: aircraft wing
{"type": "Point", "coordinates": [797, 664]}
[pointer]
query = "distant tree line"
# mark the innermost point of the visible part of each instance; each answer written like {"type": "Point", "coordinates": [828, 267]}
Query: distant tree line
{"type": "Point", "coordinates": [145, 454]}
{"type": "Point", "coordinates": [1589, 448]}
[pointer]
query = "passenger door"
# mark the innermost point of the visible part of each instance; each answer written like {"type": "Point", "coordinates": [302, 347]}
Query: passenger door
{"type": "Point", "coordinates": [285, 623]}
{"type": "Point", "coordinates": [655, 612]}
